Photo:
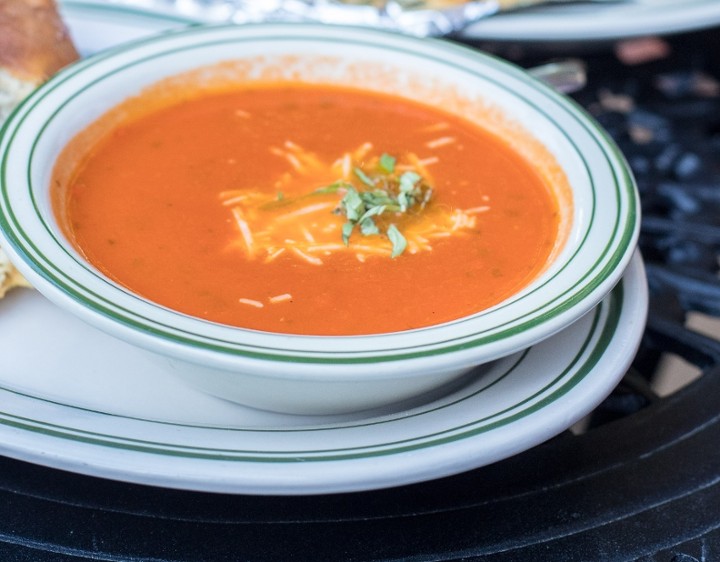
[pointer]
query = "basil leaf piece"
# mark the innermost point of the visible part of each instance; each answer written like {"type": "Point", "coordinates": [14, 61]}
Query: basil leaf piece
{"type": "Point", "coordinates": [364, 177]}
{"type": "Point", "coordinates": [368, 227]}
{"type": "Point", "coordinates": [403, 200]}
{"type": "Point", "coordinates": [353, 205]}
{"type": "Point", "coordinates": [387, 163]}
{"type": "Point", "coordinates": [373, 211]}
{"type": "Point", "coordinates": [398, 241]}
{"type": "Point", "coordinates": [408, 181]}
{"type": "Point", "coordinates": [333, 187]}
{"type": "Point", "coordinates": [347, 229]}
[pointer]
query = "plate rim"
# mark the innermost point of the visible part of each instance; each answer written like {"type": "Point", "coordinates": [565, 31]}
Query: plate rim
{"type": "Point", "coordinates": [527, 27]}
{"type": "Point", "coordinates": [294, 475]}
{"type": "Point", "coordinates": [628, 21]}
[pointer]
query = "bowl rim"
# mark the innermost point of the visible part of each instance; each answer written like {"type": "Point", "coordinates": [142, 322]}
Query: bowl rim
{"type": "Point", "coordinates": [227, 347]}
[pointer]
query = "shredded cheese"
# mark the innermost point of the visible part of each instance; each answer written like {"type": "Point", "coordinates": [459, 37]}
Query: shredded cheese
{"type": "Point", "coordinates": [477, 210]}
{"type": "Point", "coordinates": [309, 209]}
{"type": "Point", "coordinates": [234, 200]}
{"type": "Point", "coordinates": [244, 228]}
{"type": "Point", "coordinates": [428, 161]}
{"type": "Point", "coordinates": [440, 126]}
{"type": "Point", "coordinates": [308, 258]}
{"type": "Point", "coordinates": [302, 221]}
{"type": "Point", "coordinates": [274, 254]}
{"type": "Point", "coordinates": [442, 141]}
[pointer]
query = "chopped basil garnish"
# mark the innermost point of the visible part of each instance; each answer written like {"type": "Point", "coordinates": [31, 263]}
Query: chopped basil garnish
{"type": "Point", "coordinates": [363, 177]}
{"type": "Point", "coordinates": [387, 163]}
{"type": "Point", "coordinates": [378, 190]}
{"type": "Point", "coordinates": [398, 241]}
{"type": "Point", "coordinates": [388, 193]}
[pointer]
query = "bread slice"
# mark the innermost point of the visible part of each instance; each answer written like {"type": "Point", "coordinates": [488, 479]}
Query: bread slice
{"type": "Point", "coordinates": [34, 44]}
{"type": "Point", "coordinates": [9, 276]}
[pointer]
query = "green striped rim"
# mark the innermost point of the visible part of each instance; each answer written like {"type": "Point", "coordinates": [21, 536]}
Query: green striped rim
{"type": "Point", "coordinates": [604, 326]}
{"type": "Point", "coordinates": [588, 283]}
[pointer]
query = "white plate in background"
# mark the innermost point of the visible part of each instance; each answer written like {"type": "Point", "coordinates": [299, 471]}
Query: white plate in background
{"type": "Point", "coordinates": [573, 22]}
{"type": "Point", "coordinates": [598, 21]}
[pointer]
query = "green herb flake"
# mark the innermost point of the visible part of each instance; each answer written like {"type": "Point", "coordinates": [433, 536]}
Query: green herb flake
{"type": "Point", "coordinates": [387, 163]}
{"type": "Point", "coordinates": [373, 212]}
{"type": "Point", "coordinates": [404, 201]}
{"type": "Point", "coordinates": [353, 205]}
{"type": "Point", "coordinates": [398, 241]}
{"type": "Point", "coordinates": [408, 180]}
{"type": "Point", "coordinates": [368, 227]}
{"type": "Point", "coordinates": [363, 177]}
{"type": "Point", "coordinates": [333, 187]}
{"type": "Point", "coordinates": [347, 229]}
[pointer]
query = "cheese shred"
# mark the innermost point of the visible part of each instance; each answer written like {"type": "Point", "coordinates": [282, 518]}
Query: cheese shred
{"type": "Point", "coordinates": [442, 141]}
{"type": "Point", "coordinates": [251, 302]}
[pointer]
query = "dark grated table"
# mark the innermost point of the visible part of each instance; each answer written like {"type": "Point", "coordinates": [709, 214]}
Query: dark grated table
{"type": "Point", "coordinates": [641, 481]}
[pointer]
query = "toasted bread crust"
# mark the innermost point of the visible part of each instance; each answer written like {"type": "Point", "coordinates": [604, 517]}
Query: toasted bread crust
{"type": "Point", "coordinates": [34, 42]}
{"type": "Point", "coordinates": [9, 276]}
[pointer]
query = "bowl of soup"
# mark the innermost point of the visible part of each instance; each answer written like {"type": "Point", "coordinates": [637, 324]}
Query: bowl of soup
{"type": "Point", "coordinates": [314, 219]}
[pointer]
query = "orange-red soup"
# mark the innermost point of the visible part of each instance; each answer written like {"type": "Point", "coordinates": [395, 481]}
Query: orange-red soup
{"type": "Point", "coordinates": [151, 206]}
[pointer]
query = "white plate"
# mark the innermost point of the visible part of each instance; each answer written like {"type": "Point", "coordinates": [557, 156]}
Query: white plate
{"type": "Point", "coordinates": [579, 22]}
{"type": "Point", "coordinates": [74, 398]}
{"type": "Point", "coordinates": [97, 24]}
{"type": "Point", "coordinates": [595, 21]}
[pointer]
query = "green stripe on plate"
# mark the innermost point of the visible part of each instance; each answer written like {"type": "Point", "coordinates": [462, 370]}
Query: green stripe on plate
{"type": "Point", "coordinates": [605, 319]}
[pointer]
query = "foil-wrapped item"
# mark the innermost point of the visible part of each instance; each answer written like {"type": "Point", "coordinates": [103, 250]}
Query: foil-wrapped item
{"type": "Point", "coordinates": [416, 17]}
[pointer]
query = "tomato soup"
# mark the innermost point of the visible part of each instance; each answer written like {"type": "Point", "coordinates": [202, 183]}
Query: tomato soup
{"type": "Point", "coordinates": [310, 209]}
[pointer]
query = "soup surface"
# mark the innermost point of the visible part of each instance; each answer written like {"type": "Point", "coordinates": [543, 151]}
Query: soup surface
{"type": "Point", "coordinates": [310, 210]}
